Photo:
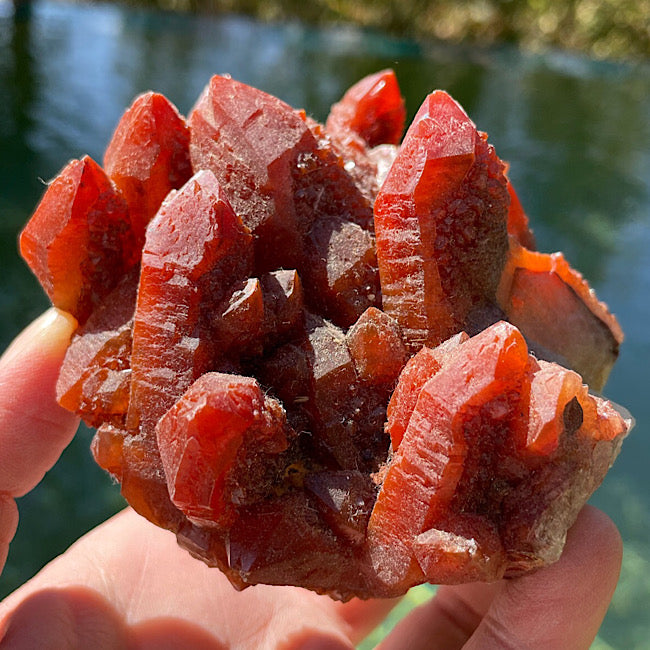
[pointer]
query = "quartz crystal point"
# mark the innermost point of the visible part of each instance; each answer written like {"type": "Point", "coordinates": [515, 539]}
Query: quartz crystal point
{"type": "Point", "coordinates": [346, 416]}
{"type": "Point", "coordinates": [440, 223]}
{"type": "Point", "coordinates": [95, 378]}
{"type": "Point", "coordinates": [254, 144]}
{"type": "Point", "coordinates": [376, 346]}
{"type": "Point", "coordinates": [419, 369]}
{"type": "Point", "coordinates": [79, 241]}
{"type": "Point", "coordinates": [373, 110]}
{"type": "Point", "coordinates": [302, 399]}
{"type": "Point", "coordinates": [196, 248]}
{"type": "Point", "coordinates": [451, 249]}
{"type": "Point", "coordinates": [215, 443]}
{"type": "Point", "coordinates": [364, 129]}
{"type": "Point", "coordinates": [148, 156]}
{"type": "Point", "coordinates": [283, 298]}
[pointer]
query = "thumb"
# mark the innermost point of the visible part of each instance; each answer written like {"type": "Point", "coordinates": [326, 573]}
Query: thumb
{"type": "Point", "coordinates": [559, 607]}
{"type": "Point", "coordinates": [563, 605]}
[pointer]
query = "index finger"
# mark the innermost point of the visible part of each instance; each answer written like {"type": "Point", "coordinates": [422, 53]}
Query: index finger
{"type": "Point", "coordinates": [34, 429]}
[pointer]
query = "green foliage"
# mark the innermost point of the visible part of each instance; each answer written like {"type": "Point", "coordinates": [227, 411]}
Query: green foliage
{"type": "Point", "coordinates": [601, 28]}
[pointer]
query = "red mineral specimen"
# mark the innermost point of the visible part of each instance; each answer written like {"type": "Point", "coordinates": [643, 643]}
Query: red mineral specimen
{"type": "Point", "coordinates": [487, 369]}
{"type": "Point", "coordinates": [259, 314]}
{"type": "Point", "coordinates": [474, 514]}
{"type": "Point", "coordinates": [249, 392]}
{"type": "Point", "coordinates": [254, 143]}
{"type": "Point", "coordinates": [196, 249]}
{"type": "Point", "coordinates": [377, 348]}
{"type": "Point", "coordinates": [340, 406]}
{"type": "Point", "coordinates": [95, 379]}
{"type": "Point", "coordinates": [419, 369]}
{"type": "Point", "coordinates": [283, 305]}
{"type": "Point", "coordinates": [342, 269]}
{"type": "Point", "coordinates": [288, 536]}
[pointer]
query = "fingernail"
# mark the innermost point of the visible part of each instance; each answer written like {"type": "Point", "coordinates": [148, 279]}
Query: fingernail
{"type": "Point", "coordinates": [52, 327]}
{"type": "Point", "coordinates": [54, 318]}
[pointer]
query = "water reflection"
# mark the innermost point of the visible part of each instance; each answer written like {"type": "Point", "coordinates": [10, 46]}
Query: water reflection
{"type": "Point", "coordinates": [17, 70]}
{"type": "Point", "coordinates": [19, 86]}
{"type": "Point", "coordinates": [596, 146]}
{"type": "Point", "coordinates": [577, 135]}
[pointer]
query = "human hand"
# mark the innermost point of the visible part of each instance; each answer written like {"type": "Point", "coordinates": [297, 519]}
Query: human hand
{"type": "Point", "coordinates": [128, 585]}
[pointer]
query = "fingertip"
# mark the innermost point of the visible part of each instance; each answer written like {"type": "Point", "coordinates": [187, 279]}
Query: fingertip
{"type": "Point", "coordinates": [54, 323]}
{"type": "Point", "coordinates": [593, 555]}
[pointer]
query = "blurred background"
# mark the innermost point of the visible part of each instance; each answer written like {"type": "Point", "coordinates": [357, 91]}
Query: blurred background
{"type": "Point", "coordinates": [601, 28]}
{"type": "Point", "coordinates": [562, 89]}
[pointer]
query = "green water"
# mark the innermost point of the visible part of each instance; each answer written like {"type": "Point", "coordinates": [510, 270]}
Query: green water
{"type": "Point", "coordinates": [576, 132]}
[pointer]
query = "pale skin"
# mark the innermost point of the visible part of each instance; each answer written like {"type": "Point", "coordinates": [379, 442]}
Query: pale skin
{"type": "Point", "coordinates": [128, 585]}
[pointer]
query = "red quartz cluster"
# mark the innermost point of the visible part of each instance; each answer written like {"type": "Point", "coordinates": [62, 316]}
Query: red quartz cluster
{"type": "Point", "coordinates": [322, 357]}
